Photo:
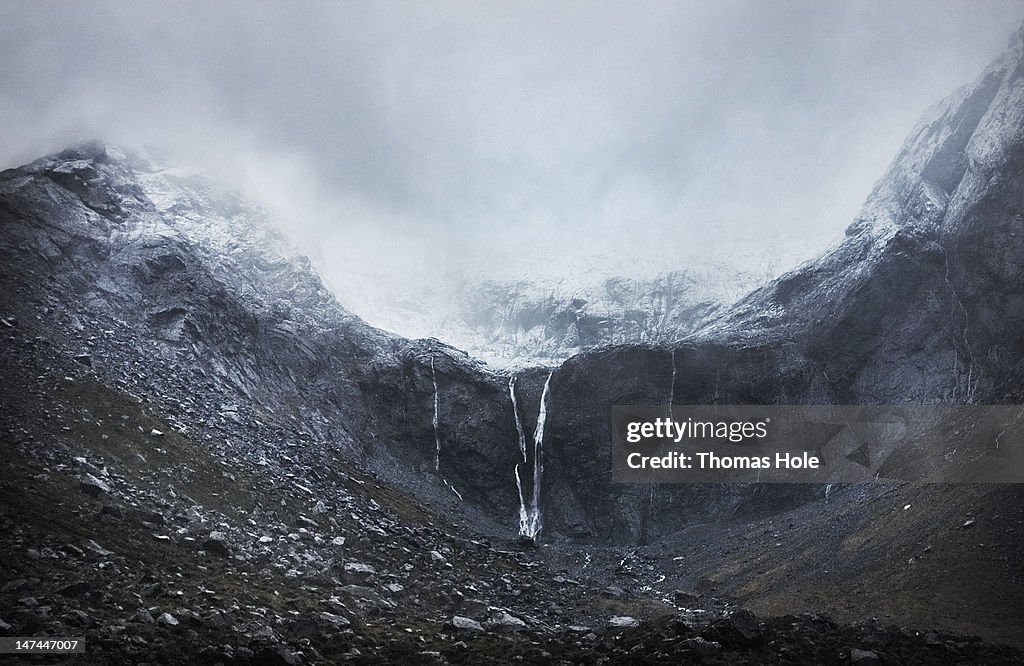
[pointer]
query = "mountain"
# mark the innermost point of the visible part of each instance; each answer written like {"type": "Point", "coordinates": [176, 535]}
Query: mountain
{"type": "Point", "coordinates": [207, 453]}
{"type": "Point", "coordinates": [185, 295]}
{"type": "Point", "coordinates": [921, 303]}
{"type": "Point", "coordinates": [929, 274]}
{"type": "Point", "coordinates": [146, 269]}
{"type": "Point", "coordinates": [538, 320]}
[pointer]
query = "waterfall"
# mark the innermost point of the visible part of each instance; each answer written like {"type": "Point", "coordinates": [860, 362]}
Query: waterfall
{"type": "Point", "coordinates": [437, 410]}
{"type": "Point", "coordinates": [530, 522]}
{"type": "Point", "coordinates": [534, 525]}
{"type": "Point", "coordinates": [452, 488]}
{"type": "Point", "coordinates": [437, 436]}
{"type": "Point", "coordinates": [523, 516]}
{"type": "Point", "coordinates": [672, 389]}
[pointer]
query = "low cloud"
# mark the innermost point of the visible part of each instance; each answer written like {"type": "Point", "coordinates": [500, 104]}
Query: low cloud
{"type": "Point", "coordinates": [506, 138]}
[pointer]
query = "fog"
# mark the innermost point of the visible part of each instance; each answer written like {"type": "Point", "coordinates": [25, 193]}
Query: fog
{"type": "Point", "coordinates": [405, 143]}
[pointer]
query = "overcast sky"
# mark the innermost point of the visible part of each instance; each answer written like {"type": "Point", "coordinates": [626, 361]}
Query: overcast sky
{"type": "Point", "coordinates": [518, 136]}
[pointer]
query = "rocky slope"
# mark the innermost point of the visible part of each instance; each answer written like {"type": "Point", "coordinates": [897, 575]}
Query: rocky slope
{"type": "Point", "coordinates": [161, 545]}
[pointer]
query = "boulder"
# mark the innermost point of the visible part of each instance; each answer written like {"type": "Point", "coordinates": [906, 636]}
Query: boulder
{"type": "Point", "coordinates": [741, 630]}
{"type": "Point", "coordinates": [623, 621]}
{"type": "Point", "coordinates": [90, 485]}
{"type": "Point", "coordinates": [466, 624]}
{"type": "Point", "coordinates": [217, 544]}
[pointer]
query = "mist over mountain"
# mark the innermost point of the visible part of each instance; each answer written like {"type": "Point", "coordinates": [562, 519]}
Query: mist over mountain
{"type": "Point", "coordinates": [537, 321]}
{"type": "Point", "coordinates": [510, 143]}
{"type": "Point", "coordinates": [211, 456]}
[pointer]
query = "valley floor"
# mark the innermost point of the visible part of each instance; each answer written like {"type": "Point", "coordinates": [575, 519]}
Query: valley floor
{"type": "Point", "coordinates": [116, 526]}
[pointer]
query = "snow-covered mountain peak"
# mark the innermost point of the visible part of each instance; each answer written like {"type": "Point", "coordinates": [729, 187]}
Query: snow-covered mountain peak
{"type": "Point", "coordinates": [961, 136]}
